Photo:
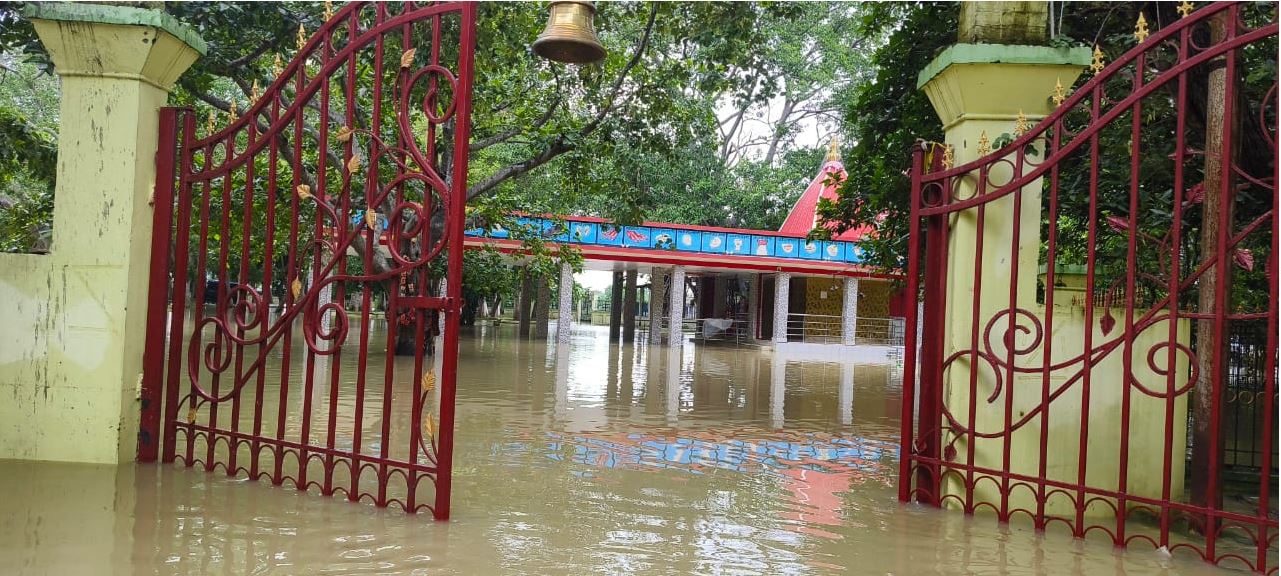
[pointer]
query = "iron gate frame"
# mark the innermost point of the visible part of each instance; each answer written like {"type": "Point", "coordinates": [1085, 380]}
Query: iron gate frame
{"type": "Point", "coordinates": [925, 463]}
{"type": "Point", "coordinates": [329, 55]}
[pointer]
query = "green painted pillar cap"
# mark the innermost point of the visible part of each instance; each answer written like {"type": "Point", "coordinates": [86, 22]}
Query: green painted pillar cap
{"type": "Point", "coordinates": [123, 15]}
{"type": "Point", "coordinates": [1002, 53]}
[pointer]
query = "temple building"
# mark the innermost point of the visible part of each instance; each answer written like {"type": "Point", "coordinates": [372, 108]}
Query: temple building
{"type": "Point", "coordinates": [749, 287]}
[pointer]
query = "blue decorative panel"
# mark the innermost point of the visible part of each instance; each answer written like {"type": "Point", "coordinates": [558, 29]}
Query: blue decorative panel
{"type": "Point", "coordinates": [853, 253]}
{"type": "Point", "coordinates": [737, 244]}
{"type": "Point", "coordinates": [762, 245]}
{"type": "Point", "coordinates": [833, 251]}
{"type": "Point", "coordinates": [583, 232]}
{"type": "Point", "coordinates": [610, 235]}
{"type": "Point", "coordinates": [566, 228]}
{"type": "Point", "coordinates": [637, 237]}
{"type": "Point", "coordinates": [689, 240]}
{"type": "Point", "coordinates": [811, 250]}
{"type": "Point", "coordinates": [713, 242]}
{"type": "Point", "coordinates": [787, 248]}
{"type": "Point", "coordinates": [664, 239]}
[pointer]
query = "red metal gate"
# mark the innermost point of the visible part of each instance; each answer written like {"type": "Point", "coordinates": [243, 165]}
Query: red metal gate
{"type": "Point", "coordinates": [344, 183]}
{"type": "Point", "coordinates": [1076, 398]}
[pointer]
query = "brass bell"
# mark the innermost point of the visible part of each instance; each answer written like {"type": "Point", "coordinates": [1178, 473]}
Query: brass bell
{"type": "Point", "coordinates": [569, 36]}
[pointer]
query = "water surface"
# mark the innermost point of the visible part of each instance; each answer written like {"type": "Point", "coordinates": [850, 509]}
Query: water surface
{"type": "Point", "coordinates": [588, 459]}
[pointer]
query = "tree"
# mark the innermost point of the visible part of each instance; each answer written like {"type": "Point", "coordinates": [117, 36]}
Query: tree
{"type": "Point", "coordinates": [28, 155]}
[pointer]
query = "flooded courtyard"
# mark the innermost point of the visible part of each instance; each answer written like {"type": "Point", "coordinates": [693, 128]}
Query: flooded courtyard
{"type": "Point", "coordinates": [588, 458]}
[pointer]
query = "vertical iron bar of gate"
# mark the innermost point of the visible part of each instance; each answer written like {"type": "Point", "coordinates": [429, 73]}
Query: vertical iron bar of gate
{"type": "Point", "coordinates": [1011, 344]}
{"type": "Point", "coordinates": [1087, 347]}
{"type": "Point", "coordinates": [179, 307]}
{"type": "Point", "coordinates": [910, 334]}
{"type": "Point", "coordinates": [1131, 286]}
{"type": "Point", "coordinates": [1227, 195]}
{"type": "Point", "coordinates": [1268, 404]}
{"type": "Point", "coordinates": [1047, 357]}
{"type": "Point", "coordinates": [1175, 271]}
{"type": "Point", "coordinates": [153, 356]}
{"type": "Point", "coordinates": [454, 280]}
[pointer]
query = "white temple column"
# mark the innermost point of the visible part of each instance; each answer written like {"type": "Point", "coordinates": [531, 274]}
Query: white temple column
{"type": "Point", "coordinates": [782, 292]}
{"type": "Point", "coordinates": [849, 312]}
{"type": "Point", "coordinates": [565, 312]}
{"type": "Point", "coordinates": [672, 388]}
{"type": "Point", "coordinates": [845, 394]}
{"type": "Point", "coordinates": [777, 388]}
{"type": "Point", "coordinates": [675, 337]}
{"type": "Point", "coordinates": [658, 293]}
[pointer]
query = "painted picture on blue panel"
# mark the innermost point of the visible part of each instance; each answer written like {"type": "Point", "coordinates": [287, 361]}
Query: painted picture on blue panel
{"type": "Point", "coordinates": [688, 241]}
{"type": "Point", "coordinates": [762, 246]}
{"type": "Point", "coordinates": [853, 253]}
{"type": "Point", "coordinates": [831, 251]}
{"type": "Point", "coordinates": [584, 232]}
{"type": "Point", "coordinates": [787, 248]}
{"type": "Point", "coordinates": [811, 251]}
{"type": "Point", "coordinates": [636, 237]}
{"type": "Point", "coordinates": [664, 240]}
{"type": "Point", "coordinates": [737, 244]}
{"type": "Point", "coordinates": [611, 235]}
{"type": "Point", "coordinates": [713, 243]}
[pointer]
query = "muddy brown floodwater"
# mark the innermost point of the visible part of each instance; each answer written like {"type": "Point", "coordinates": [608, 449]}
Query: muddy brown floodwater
{"type": "Point", "coordinates": [595, 459]}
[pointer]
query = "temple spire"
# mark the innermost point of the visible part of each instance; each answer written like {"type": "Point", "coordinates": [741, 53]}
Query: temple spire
{"type": "Point", "coordinates": [833, 150]}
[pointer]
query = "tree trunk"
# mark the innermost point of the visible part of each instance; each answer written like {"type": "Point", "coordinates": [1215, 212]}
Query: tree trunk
{"type": "Point", "coordinates": [542, 304]}
{"type": "Point", "coordinates": [629, 308]}
{"type": "Point", "coordinates": [616, 307]}
{"type": "Point", "coordinates": [523, 301]}
{"type": "Point", "coordinates": [1207, 447]}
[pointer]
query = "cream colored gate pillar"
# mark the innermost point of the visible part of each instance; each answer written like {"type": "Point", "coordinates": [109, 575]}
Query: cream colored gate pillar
{"type": "Point", "coordinates": [979, 88]}
{"type": "Point", "coordinates": [117, 65]}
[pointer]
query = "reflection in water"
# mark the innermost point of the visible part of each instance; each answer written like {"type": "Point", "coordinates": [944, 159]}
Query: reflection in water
{"type": "Point", "coordinates": [571, 459]}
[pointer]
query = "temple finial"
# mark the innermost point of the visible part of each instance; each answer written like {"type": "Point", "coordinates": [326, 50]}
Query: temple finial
{"type": "Point", "coordinates": [833, 150]}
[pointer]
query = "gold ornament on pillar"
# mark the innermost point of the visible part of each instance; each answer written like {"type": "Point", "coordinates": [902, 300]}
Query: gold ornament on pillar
{"type": "Point", "coordinates": [231, 110]}
{"type": "Point", "coordinates": [329, 10]}
{"type": "Point", "coordinates": [1185, 8]}
{"type": "Point", "coordinates": [948, 156]}
{"type": "Point", "coordinates": [254, 94]}
{"type": "Point", "coordinates": [211, 123]}
{"type": "Point", "coordinates": [429, 381]}
{"type": "Point", "coordinates": [1141, 28]}
{"type": "Point", "coordinates": [1098, 64]}
{"type": "Point", "coordinates": [570, 36]}
{"type": "Point", "coordinates": [1020, 125]}
{"type": "Point", "coordinates": [276, 66]}
{"type": "Point", "coordinates": [985, 146]}
{"type": "Point", "coordinates": [302, 37]}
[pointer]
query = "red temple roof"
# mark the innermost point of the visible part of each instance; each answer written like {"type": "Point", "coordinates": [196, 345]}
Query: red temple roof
{"type": "Point", "coordinates": [804, 217]}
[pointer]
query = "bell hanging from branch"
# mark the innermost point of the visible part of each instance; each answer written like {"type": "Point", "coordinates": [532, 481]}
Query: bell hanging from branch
{"type": "Point", "coordinates": [569, 36]}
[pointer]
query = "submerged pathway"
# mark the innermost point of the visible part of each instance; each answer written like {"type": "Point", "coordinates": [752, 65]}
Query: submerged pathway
{"type": "Point", "coordinates": [594, 458]}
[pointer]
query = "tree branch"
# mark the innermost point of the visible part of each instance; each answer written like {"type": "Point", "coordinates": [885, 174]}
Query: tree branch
{"type": "Point", "coordinates": [559, 145]}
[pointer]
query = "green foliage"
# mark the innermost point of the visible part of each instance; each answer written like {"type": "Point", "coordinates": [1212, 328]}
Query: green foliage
{"type": "Point", "coordinates": [28, 156]}
{"type": "Point", "coordinates": [882, 121]}
{"type": "Point", "coordinates": [887, 116]}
